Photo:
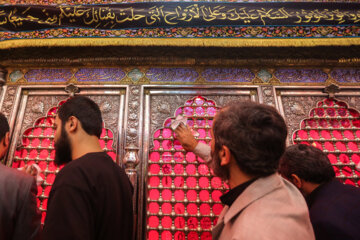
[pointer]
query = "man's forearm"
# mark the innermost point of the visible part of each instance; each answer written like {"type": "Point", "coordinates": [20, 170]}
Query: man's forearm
{"type": "Point", "coordinates": [203, 151]}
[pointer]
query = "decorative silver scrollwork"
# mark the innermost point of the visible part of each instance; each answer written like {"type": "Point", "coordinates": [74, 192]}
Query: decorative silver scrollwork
{"type": "Point", "coordinates": [133, 115]}
{"type": "Point", "coordinates": [131, 160]}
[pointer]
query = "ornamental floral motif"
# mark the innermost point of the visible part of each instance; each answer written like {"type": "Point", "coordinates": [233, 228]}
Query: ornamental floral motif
{"type": "Point", "coordinates": [16, 75]}
{"type": "Point", "coordinates": [346, 75]}
{"type": "Point", "coordinates": [48, 75]}
{"type": "Point", "coordinates": [135, 75]}
{"type": "Point", "coordinates": [264, 75]}
{"type": "Point", "coordinates": [100, 75]}
{"type": "Point", "coordinates": [227, 75]}
{"type": "Point", "coordinates": [301, 75]}
{"type": "Point", "coordinates": [172, 75]}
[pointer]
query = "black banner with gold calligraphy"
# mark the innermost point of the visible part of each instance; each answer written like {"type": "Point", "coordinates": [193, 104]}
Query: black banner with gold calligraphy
{"type": "Point", "coordinates": [177, 14]}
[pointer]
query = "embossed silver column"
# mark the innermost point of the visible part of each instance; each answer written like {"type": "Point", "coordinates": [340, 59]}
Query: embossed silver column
{"type": "Point", "coordinates": [2, 87]}
{"type": "Point", "coordinates": [2, 76]}
{"type": "Point", "coordinates": [131, 160]}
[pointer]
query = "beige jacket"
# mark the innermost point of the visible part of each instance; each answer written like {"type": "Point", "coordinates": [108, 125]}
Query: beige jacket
{"type": "Point", "coordinates": [271, 208]}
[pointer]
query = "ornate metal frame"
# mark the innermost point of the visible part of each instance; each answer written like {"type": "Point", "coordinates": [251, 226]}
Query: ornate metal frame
{"type": "Point", "coordinates": [305, 91]}
{"type": "Point", "coordinates": [21, 98]}
{"type": "Point", "coordinates": [152, 90]}
{"type": "Point", "coordinates": [134, 126]}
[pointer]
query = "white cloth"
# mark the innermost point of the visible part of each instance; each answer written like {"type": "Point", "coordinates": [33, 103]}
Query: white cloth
{"type": "Point", "coordinates": [203, 151]}
{"type": "Point", "coordinates": [38, 178]}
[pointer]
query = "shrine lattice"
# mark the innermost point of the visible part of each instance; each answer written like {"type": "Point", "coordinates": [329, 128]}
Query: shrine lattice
{"type": "Point", "coordinates": [183, 197]}
{"type": "Point", "coordinates": [334, 128]}
{"type": "Point", "coordinates": [38, 147]}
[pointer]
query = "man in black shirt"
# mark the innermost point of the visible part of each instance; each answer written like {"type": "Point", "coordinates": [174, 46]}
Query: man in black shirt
{"type": "Point", "coordinates": [334, 207]}
{"type": "Point", "coordinates": [91, 197]}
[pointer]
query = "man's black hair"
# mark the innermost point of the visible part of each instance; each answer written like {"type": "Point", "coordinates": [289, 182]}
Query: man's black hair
{"type": "Point", "coordinates": [4, 126]}
{"type": "Point", "coordinates": [255, 134]}
{"type": "Point", "coordinates": [308, 163]}
{"type": "Point", "coordinates": [84, 109]}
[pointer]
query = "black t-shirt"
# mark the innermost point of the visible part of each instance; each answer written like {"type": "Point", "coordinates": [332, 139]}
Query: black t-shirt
{"type": "Point", "coordinates": [91, 199]}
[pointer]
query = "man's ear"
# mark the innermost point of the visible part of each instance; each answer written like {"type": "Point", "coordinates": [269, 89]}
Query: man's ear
{"type": "Point", "coordinates": [296, 181]}
{"type": "Point", "coordinates": [72, 123]}
{"type": "Point", "coordinates": [7, 139]}
{"type": "Point", "coordinates": [224, 155]}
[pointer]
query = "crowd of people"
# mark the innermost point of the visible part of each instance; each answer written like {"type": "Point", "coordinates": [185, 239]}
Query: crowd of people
{"type": "Point", "coordinates": [276, 192]}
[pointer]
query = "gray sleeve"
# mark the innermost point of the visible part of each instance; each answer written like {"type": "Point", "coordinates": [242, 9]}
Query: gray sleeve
{"type": "Point", "coordinates": [29, 217]}
{"type": "Point", "coordinates": [203, 151]}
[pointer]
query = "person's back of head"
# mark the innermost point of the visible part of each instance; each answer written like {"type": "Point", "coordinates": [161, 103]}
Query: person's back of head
{"type": "Point", "coordinates": [255, 134]}
{"type": "Point", "coordinates": [4, 135]}
{"type": "Point", "coordinates": [84, 109]}
{"type": "Point", "coordinates": [308, 163]}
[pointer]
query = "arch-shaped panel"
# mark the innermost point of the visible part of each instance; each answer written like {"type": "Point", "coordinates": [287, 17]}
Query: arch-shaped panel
{"type": "Point", "coordinates": [183, 196]}
{"type": "Point", "coordinates": [334, 128]}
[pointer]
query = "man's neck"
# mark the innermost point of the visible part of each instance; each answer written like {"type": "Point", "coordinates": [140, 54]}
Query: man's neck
{"type": "Point", "coordinates": [309, 187]}
{"type": "Point", "coordinates": [84, 146]}
{"type": "Point", "coordinates": [237, 177]}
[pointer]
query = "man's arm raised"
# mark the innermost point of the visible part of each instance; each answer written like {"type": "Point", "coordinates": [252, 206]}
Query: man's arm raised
{"type": "Point", "coordinates": [190, 144]}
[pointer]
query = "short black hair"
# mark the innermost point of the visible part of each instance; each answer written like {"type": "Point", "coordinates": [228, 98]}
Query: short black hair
{"type": "Point", "coordinates": [84, 109]}
{"type": "Point", "coordinates": [255, 134]}
{"type": "Point", "coordinates": [4, 126]}
{"type": "Point", "coordinates": [308, 163]}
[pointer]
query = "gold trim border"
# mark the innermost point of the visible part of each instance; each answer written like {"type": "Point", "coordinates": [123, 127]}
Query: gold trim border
{"type": "Point", "coordinates": [183, 42]}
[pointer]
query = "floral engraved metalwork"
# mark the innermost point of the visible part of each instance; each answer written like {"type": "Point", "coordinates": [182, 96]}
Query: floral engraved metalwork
{"type": "Point", "coordinates": [296, 109]}
{"type": "Point", "coordinates": [346, 75]}
{"type": "Point", "coordinates": [268, 95]}
{"type": "Point", "coordinates": [110, 117]}
{"type": "Point", "coordinates": [38, 107]}
{"type": "Point", "coordinates": [110, 112]}
{"type": "Point", "coordinates": [48, 75]}
{"type": "Point", "coordinates": [164, 108]}
{"type": "Point", "coordinates": [353, 101]}
{"type": "Point", "coordinates": [100, 75]}
{"type": "Point", "coordinates": [35, 108]}
{"type": "Point", "coordinates": [174, 101]}
{"type": "Point", "coordinates": [301, 75]}
{"type": "Point", "coordinates": [8, 103]}
{"type": "Point", "coordinates": [172, 75]}
{"type": "Point", "coordinates": [105, 107]}
{"type": "Point", "coordinates": [133, 116]}
{"type": "Point", "coordinates": [227, 75]}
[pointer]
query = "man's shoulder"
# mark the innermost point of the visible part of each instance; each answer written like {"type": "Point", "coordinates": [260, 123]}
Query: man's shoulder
{"type": "Point", "coordinates": [281, 211]}
{"type": "Point", "coordinates": [14, 174]}
{"type": "Point", "coordinates": [335, 199]}
{"type": "Point", "coordinates": [14, 182]}
{"type": "Point", "coordinates": [88, 169]}
{"type": "Point", "coordinates": [336, 191]}
{"type": "Point", "coordinates": [269, 196]}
